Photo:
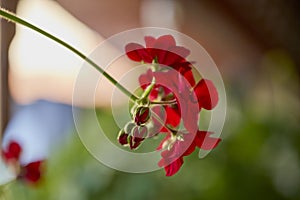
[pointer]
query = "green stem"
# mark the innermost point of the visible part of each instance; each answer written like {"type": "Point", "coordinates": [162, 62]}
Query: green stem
{"type": "Point", "coordinates": [169, 129]}
{"type": "Point", "coordinates": [14, 18]}
{"type": "Point", "coordinates": [163, 102]}
{"type": "Point", "coordinates": [148, 90]}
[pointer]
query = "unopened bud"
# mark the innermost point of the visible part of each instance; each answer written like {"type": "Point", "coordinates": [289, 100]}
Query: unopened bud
{"type": "Point", "coordinates": [122, 137]}
{"type": "Point", "coordinates": [142, 115]}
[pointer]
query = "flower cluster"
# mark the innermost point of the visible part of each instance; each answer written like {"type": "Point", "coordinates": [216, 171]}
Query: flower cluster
{"type": "Point", "coordinates": [170, 104]}
{"type": "Point", "coordinates": [31, 172]}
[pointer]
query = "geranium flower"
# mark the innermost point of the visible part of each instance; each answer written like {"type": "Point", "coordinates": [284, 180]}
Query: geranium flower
{"type": "Point", "coordinates": [178, 97]}
{"type": "Point", "coordinates": [30, 172]}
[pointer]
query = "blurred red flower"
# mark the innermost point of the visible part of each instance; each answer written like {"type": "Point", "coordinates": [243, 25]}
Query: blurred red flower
{"type": "Point", "coordinates": [31, 172]}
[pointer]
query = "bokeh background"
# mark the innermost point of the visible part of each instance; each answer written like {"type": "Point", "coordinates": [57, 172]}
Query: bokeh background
{"type": "Point", "coordinates": [256, 46]}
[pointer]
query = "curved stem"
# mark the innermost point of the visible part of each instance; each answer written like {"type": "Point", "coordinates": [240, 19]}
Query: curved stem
{"type": "Point", "coordinates": [14, 18]}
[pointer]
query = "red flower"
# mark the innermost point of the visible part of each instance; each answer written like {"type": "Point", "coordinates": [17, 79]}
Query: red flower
{"type": "Point", "coordinates": [172, 158]}
{"type": "Point", "coordinates": [31, 172]}
{"type": "Point", "coordinates": [175, 84]}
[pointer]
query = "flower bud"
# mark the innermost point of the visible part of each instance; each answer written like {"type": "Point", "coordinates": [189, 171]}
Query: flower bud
{"type": "Point", "coordinates": [137, 136]}
{"type": "Point", "coordinates": [142, 115]}
{"type": "Point", "coordinates": [129, 127]}
{"type": "Point", "coordinates": [123, 137]}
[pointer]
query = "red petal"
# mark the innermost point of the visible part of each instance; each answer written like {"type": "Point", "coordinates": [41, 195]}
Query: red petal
{"type": "Point", "coordinates": [154, 94]}
{"type": "Point", "coordinates": [190, 149]}
{"type": "Point", "coordinates": [13, 152]}
{"type": "Point", "coordinates": [173, 168]}
{"type": "Point", "coordinates": [150, 41]}
{"type": "Point", "coordinates": [188, 75]}
{"type": "Point", "coordinates": [173, 115]}
{"type": "Point", "coordinates": [190, 115]}
{"type": "Point", "coordinates": [32, 172]}
{"type": "Point", "coordinates": [180, 51]}
{"type": "Point", "coordinates": [175, 55]}
{"type": "Point", "coordinates": [207, 94]}
{"type": "Point", "coordinates": [145, 79]}
{"type": "Point", "coordinates": [204, 141]}
{"type": "Point", "coordinates": [167, 79]}
{"type": "Point", "coordinates": [164, 42]}
{"type": "Point", "coordinates": [159, 54]}
{"type": "Point", "coordinates": [183, 66]}
{"type": "Point", "coordinates": [137, 52]}
{"type": "Point", "coordinates": [161, 46]}
{"type": "Point", "coordinates": [132, 51]}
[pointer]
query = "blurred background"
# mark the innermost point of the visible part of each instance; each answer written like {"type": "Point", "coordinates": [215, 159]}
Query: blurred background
{"type": "Point", "coordinates": [256, 46]}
